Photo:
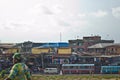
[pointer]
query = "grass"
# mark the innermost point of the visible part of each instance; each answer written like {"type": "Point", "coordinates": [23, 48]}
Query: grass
{"type": "Point", "coordinates": [74, 77]}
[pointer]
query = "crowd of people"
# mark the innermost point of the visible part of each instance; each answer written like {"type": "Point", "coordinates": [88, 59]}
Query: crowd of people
{"type": "Point", "coordinates": [35, 63]}
{"type": "Point", "coordinates": [5, 62]}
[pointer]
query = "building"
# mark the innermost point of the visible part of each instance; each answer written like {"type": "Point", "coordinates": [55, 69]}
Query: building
{"type": "Point", "coordinates": [113, 49]}
{"type": "Point", "coordinates": [26, 47]}
{"type": "Point", "coordinates": [99, 48]}
{"type": "Point", "coordinates": [54, 47]}
{"type": "Point", "coordinates": [105, 49]}
{"type": "Point", "coordinates": [5, 46]}
{"type": "Point", "coordinates": [81, 45]}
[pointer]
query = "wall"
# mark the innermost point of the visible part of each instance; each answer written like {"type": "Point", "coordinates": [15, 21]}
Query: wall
{"type": "Point", "coordinates": [40, 50]}
{"type": "Point", "coordinates": [113, 50]}
{"type": "Point", "coordinates": [64, 50]}
{"type": "Point", "coordinates": [12, 50]}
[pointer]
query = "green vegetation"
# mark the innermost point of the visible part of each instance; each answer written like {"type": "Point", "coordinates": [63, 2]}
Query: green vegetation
{"type": "Point", "coordinates": [74, 77]}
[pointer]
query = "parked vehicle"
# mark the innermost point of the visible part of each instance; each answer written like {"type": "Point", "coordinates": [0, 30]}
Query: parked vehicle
{"type": "Point", "coordinates": [51, 70]}
{"type": "Point", "coordinates": [110, 69]}
{"type": "Point", "coordinates": [78, 68]}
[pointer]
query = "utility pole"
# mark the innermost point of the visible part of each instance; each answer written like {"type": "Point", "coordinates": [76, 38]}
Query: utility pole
{"type": "Point", "coordinates": [60, 37]}
{"type": "Point", "coordinates": [42, 56]}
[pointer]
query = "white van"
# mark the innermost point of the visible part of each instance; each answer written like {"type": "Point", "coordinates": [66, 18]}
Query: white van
{"type": "Point", "coordinates": [51, 70]}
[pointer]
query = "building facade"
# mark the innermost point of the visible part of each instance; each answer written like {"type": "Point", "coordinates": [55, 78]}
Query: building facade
{"type": "Point", "coordinates": [113, 49]}
{"type": "Point", "coordinates": [81, 45]}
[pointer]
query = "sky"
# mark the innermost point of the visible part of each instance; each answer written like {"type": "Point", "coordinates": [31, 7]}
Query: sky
{"type": "Point", "coordinates": [58, 20]}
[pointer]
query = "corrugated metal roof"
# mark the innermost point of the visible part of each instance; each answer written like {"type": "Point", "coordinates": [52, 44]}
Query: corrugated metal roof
{"type": "Point", "coordinates": [101, 45]}
{"type": "Point", "coordinates": [6, 45]}
{"type": "Point", "coordinates": [60, 44]}
{"type": "Point", "coordinates": [77, 64]}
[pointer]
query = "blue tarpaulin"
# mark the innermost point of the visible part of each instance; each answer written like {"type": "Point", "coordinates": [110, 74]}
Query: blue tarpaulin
{"type": "Point", "coordinates": [54, 45]}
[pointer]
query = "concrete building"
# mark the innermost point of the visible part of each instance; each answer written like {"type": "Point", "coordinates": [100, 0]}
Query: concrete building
{"type": "Point", "coordinates": [81, 45]}
{"type": "Point", "coordinates": [113, 49]}
{"type": "Point", "coordinates": [105, 49]}
{"type": "Point", "coordinates": [99, 48]}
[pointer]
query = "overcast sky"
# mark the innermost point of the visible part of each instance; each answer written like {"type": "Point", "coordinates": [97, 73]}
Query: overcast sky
{"type": "Point", "coordinates": [44, 20]}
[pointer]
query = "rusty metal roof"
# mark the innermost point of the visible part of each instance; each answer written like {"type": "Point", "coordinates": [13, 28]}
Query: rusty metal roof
{"type": "Point", "coordinates": [6, 45]}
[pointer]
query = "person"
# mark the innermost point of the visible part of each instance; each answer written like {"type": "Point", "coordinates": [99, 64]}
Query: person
{"type": "Point", "coordinates": [19, 71]}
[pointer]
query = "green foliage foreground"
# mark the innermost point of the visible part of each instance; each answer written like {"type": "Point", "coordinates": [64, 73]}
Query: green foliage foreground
{"type": "Point", "coordinates": [74, 77]}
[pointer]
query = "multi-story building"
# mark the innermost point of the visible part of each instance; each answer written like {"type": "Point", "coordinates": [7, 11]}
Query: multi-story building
{"type": "Point", "coordinates": [81, 45]}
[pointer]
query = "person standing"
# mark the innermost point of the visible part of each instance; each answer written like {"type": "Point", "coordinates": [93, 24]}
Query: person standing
{"type": "Point", "coordinates": [19, 70]}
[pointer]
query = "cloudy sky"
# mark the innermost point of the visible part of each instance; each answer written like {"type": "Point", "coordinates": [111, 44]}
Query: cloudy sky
{"type": "Point", "coordinates": [45, 20]}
